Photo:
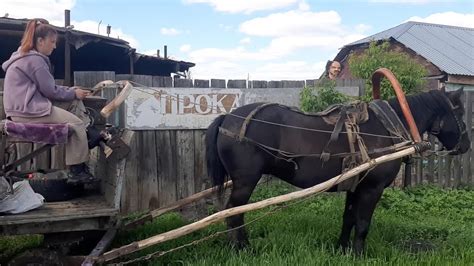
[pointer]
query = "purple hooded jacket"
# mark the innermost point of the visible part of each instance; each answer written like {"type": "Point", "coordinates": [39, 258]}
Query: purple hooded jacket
{"type": "Point", "coordinates": [29, 86]}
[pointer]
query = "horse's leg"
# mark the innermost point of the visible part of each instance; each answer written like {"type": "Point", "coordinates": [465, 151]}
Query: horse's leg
{"type": "Point", "coordinates": [242, 189]}
{"type": "Point", "coordinates": [365, 199]}
{"type": "Point", "coordinates": [347, 222]}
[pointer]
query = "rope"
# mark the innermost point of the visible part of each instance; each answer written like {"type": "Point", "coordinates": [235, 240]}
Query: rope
{"type": "Point", "coordinates": [259, 120]}
{"type": "Point", "coordinates": [159, 253]}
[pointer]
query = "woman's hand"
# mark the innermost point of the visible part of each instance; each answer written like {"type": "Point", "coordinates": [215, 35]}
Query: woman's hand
{"type": "Point", "coordinates": [81, 93]}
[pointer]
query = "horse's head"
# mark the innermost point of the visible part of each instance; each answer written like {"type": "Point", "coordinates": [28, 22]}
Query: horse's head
{"type": "Point", "coordinates": [450, 128]}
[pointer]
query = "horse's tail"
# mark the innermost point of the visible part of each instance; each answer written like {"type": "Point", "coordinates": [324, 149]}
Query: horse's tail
{"type": "Point", "coordinates": [215, 168]}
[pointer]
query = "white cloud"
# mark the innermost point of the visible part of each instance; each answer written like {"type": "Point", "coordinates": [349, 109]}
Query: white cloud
{"type": "Point", "coordinates": [448, 18]}
{"type": "Point", "coordinates": [292, 23]}
{"type": "Point", "coordinates": [185, 48]}
{"type": "Point", "coordinates": [219, 70]}
{"type": "Point", "coordinates": [93, 27]}
{"type": "Point", "coordinates": [170, 31]}
{"type": "Point", "coordinates": [52, 10]}
{"type": "Point", "coordinates": [362, 28]}
{"type": "Point", "coordinates": [289, 32]}
{"type": "Point", "coordinates": [148, 52]}
{"type": "Point", "coordinates": [245, 40]}
{"type": "Point", "coordinates": [416, 2]}
{"type": "Point", "coordinates": [291, 70]}
{"type": "Point", "coordinates": [244, 6]}
{"type": "Point", "coordinates": [225, 27]}
{"type": "Point", "coordinates": [297, 29]}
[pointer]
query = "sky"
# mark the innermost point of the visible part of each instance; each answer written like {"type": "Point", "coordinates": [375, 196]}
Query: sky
{"type": "Point", "coordinates": [244, 39]}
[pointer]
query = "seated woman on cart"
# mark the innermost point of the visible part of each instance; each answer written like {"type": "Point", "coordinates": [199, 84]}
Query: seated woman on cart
{"type": "Point", "coordinates": [31, 95]}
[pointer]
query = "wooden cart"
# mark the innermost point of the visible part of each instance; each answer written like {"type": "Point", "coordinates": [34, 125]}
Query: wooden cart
{"type": "Point", "coordinates": [69, 227]}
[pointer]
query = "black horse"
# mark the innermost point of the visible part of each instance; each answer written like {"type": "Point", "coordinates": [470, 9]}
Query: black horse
{"type": "Point", "coordinates": [245, 160]}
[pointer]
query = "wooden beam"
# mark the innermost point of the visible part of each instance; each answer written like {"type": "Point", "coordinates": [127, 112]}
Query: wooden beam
{"type": "Point", "coordinates": [187, 229]}
{"type": "Point", "coordinates": [67, 50]}
{"type": "Point", "coordinates": [175, 205]}
{"type": "Point", "coordinates": [468, 80]}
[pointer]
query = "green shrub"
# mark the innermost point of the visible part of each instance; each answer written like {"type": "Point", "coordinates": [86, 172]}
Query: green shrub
{"type": "Point", "coordinates": [408, 72]}
{"type": "Point", "coordinates": [318, 98]}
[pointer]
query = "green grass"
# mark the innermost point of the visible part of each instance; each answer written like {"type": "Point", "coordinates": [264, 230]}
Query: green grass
{"type": "Point", "coordinates": [419, 226]}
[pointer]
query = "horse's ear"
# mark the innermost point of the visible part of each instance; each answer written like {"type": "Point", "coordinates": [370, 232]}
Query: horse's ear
{"type": "Point", "coordinates": [456, 95]}
{"type": "Point", "coordinates": [443, 89]}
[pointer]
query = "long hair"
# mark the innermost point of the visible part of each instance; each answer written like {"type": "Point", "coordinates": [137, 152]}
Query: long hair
{"type": "Point", "coordinates": [36, 28]}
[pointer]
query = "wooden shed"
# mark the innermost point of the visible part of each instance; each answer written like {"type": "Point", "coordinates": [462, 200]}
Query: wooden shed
{"type": "Point", "coordinates": [83, 51]}
{"type": "Point", "coordinates": [447, 52]}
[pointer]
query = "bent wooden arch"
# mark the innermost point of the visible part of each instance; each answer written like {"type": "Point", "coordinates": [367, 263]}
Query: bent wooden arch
{"type": "Point", "coordinates": [119, 99]}
{"type": "Point", "coordinates": [376, 78]}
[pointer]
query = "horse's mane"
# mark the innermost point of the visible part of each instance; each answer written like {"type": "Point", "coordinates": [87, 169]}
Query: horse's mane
{"type": "Point", "coordinates": [434, 100]}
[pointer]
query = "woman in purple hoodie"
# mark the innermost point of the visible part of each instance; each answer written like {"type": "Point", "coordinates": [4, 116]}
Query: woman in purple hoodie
{"type": "Point", "coordinates": [30, 91]}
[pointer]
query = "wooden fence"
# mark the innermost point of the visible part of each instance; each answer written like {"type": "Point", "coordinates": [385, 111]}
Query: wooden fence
{"type": "Point", "coordinates": [167, 165]}
{"type": "Point", "coordinates": [447, 170]}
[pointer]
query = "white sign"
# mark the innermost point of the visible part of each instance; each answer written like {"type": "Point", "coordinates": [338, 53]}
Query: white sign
{"type": "Point", "coordinates": [155, 108]}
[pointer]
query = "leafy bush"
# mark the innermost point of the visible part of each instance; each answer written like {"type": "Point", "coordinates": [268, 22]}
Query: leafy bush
{"type": "Point", "coordinates": [408, 72]}
{"type": "Point", "coordinates": [318, 98]}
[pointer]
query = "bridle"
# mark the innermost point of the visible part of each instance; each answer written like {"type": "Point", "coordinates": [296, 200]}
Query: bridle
{"type": "Point", "coordinates": [439, 122]}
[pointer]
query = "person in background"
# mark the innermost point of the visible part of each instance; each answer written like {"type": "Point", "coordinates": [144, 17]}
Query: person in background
{"type": "Point", "coordinates": [30, 92]}
{"type": "Point", "coordinates": [333, 68]}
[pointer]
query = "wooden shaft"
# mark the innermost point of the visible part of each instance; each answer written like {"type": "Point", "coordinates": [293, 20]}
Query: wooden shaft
{"type": "Point", "coordinates": [175, 205]}
{"type": "Point", "coordinates": [187, 229]}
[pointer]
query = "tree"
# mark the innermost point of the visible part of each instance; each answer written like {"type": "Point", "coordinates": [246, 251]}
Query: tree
{"type": "Point", "coordinates": [408, 72]}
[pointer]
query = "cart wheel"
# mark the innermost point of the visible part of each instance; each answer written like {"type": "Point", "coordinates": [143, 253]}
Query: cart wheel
{"type": "Point", "coordinates": [40, 256]}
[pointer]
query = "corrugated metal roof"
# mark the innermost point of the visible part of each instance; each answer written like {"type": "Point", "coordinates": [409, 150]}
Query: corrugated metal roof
{"type": "Point", "coordinates": [449, 48]}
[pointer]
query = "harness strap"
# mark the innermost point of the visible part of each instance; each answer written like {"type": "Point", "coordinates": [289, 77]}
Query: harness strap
{"type": "Point", "coordinates": [389, 119]}
{"type": "Point", "coordinates": [230, 134]}
{"type": "Point", "coordinates": [335, 134]}
{"type": "Point", "coordinates": [245, 124]}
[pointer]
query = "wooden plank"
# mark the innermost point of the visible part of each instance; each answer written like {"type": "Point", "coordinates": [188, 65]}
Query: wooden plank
{"type": "Point", "coordinates": [237, 83]}
{"type": "Point", "coordinates": [162, 82]}
{"type": "Point", "coordinates": [118, 172]}
{"type": "Point", "coordinates": [311, 82]}
{"type": "Point", "coordinates": [183, 83]}
{"type": "Point", "coordinates": [148, 172]}
{"type": "Point", "coordinates": [167, 165]}
{"type": "Point", "coordinates": [275, 84]}
{"type": "Point", "coordinates": [448, 171]}
{"type": "Point", "coordinates": [49, 215]}
{"type": "Point", "coordinates": [185, 160]}
{"type": "Point", "coordinates": [258, 84]}
{"type": "Point", "coordinates": [142, 81]}
{"type": "Point", "coordinates": [43, 160]}
{"type": "Point", "coordinates": [91, 78]}
{"type": "Point", "coordinates": [130, 195]}
{"type": "Point", "coordinates": [84, 224]}
{"type": "Point", "coordinates": [293, 83]}
{"type": "Point", "coordinates": [201, 83]}
{"type": "Point", "coordinates": [58, 159]}
{"type": "Point", "coordinates": [201, 180]}
{"type": "Point", "coordinates": [466, 158]}
{"type": "Point", "coordinates": [440, 167]}
{"type": "Point", "coordinates": [431, 165]}
{"type": "Point", "coordinates": [419, 171]}
{"type": "Point", "coordinates": [24, 149]}
{"type": "Point", "coordinates": [2, 110]}
{"type": "Point", "coordinates": [456, 171]}
{"type": "Point", "coordinates": [217, 83]}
